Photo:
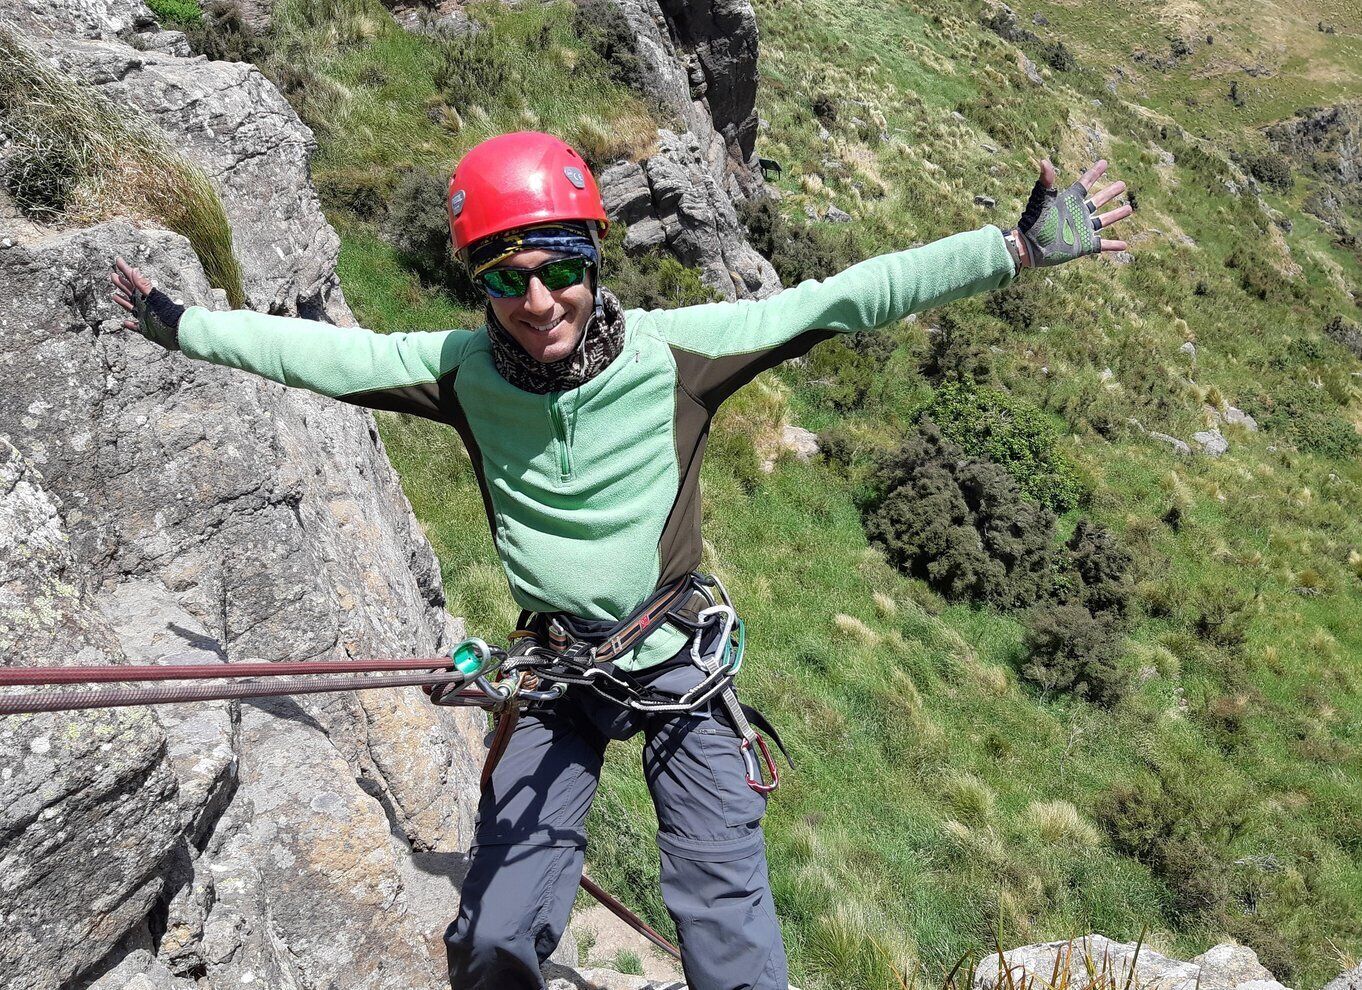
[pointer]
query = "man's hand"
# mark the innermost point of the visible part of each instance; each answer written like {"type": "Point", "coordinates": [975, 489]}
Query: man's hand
{"type": "Point", "coordinates": [158, 318]}
{"type": "Point", "coordinates": [1060, 226]}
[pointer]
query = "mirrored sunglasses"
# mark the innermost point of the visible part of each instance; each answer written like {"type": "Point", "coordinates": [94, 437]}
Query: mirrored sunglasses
{"type": "Point", "coordinates": [503, 283]}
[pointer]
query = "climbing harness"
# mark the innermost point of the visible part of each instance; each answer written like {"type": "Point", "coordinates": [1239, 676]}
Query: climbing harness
{"type": "Point", "coordinates": [548, 656]}
{"type": "Point", "coordinates": [582, 653]}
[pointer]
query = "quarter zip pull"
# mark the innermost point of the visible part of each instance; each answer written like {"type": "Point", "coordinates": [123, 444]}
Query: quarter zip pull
{"type": "Point", "coordinates": [560, 436]}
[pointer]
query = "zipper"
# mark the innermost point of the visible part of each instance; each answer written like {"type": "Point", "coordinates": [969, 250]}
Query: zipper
{"type": "Point", "coordinates": [560, 433]}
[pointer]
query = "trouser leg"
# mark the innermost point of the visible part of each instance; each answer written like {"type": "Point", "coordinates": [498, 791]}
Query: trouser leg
{"type": "Point", "coordinates": [713, 852]}
{"type": "Point", "coordinates": [527, 854]}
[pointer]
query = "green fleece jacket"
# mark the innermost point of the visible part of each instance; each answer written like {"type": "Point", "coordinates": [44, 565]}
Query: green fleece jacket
{"type": "Point", "coordinates": [593, 494]}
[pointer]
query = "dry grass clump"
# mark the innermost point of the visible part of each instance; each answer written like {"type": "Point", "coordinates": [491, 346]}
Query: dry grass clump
{"type": "Point", "coordinates": [80, 159]}
{"type": "Point", "coordinates": [1060, 823]}
{"type": "Point", "coordinates": [853, 628]}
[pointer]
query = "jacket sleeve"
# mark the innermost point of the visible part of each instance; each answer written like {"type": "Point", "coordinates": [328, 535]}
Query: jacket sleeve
{"type": "Point", "coordinates": [401, 372]}
{"type": "Point", "coordinates": [720, 347]}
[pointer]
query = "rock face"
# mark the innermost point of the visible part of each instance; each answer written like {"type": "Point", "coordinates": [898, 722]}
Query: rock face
{"type": "Point", "coordinates": [700, 62]}
{"type": "Point", "coordinates": [155, 508]}
{"type": "Point", "coordinates": [672, 200]}
{"type": "Point", "coordinates": [1224, 967]}
{"type": "Point", "coordinates": [1327, 140]}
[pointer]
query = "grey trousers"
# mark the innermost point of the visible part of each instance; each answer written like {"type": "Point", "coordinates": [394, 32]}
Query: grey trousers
{"type": "Point", "coordinates": [530, 842]}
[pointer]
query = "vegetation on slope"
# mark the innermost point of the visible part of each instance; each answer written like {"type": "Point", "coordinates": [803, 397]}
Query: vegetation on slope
{"type": "Point", "coordinates": [951, 778]}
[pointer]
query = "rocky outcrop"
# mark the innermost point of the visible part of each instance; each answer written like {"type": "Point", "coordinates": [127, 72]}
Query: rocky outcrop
{"type": "Point", "coordinates": [155, 508]}
{"type": "Point", "coordinates": [700, 63]}
{"type": "Point", "coordinates": [1327, 140]}
{"type": "Point", "coordinates": [1224, 967]}
{"type": "Point", "coordinates": [672, 200]}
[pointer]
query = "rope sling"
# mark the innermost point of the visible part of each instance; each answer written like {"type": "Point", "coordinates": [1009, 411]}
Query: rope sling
{"type": "Point", "coordinates": [537, 669]}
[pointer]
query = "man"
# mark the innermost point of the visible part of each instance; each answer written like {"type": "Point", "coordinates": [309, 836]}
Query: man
{"type": "Point", "coordinates": [586, 426]}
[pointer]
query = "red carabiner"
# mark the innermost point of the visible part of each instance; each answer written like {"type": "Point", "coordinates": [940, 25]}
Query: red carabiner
{"type": "Point", "coordinates": [754, 779]}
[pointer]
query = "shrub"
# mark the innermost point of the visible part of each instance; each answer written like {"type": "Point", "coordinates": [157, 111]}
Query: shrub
{"type": "Point", "coordinates": [223, 35]}
{"type": "Point", "coordinates": [1271, 168]}
{"type": "Point", "coordinates": [363, 191]}
{"type": "Point", "coordinates": [961, 524]}
{"type": "Point", "coordinates": [1223, 618]}
{"type": "Point", "coordinates": [651, 279]}
{"type": "Point", "coordinates": [796, 252]}
{"type": "Point", "coordinates": [473, 68]}
{"type": "Point", "coordinates": [1166, 829]}
{"type": "Point", "coordinates": [1103, 568]}
{"type": "Point", "coordinates": [954, 353]}
{"type": "Point", "coordinates": [990, 424]}
{"type": "Point", "coordinates": [1346, 333]}
{"type": "Point", "coordinates": [602, 26]}
{"type": "Point", "coordinates": [1069, 649]}
{"type": "Point", "coordinates": [418, 227]}
{"type": "Point", "coordinates": [1057, 56]}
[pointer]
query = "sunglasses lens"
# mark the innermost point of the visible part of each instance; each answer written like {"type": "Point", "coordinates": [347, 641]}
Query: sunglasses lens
{"type": "Point", "coordinates": [502, 283]}
{"type": "Point", "coordinates": [561, 274]}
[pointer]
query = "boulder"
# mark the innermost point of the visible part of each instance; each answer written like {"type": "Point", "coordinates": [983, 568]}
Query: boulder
{"type": "Point", "coordinates": [1152, 971]}
{"type": "Point", "coordinates": [1179, 446]}
{"type": "Point", "coordinates": [1211, 442]}
{"type": "Point", "coordinates": [1347, 980]}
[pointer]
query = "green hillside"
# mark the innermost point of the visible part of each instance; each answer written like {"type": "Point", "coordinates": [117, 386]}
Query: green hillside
{"type": "Point", "coordinates": [949, 786]}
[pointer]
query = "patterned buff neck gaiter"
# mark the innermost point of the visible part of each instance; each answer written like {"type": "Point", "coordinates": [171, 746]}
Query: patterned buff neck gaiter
{"type": "Point", "coordinates": [601, 343]}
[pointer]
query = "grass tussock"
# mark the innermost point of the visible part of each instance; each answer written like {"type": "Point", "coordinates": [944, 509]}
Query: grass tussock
{"type": "Point", "coordinates": [81, 160]}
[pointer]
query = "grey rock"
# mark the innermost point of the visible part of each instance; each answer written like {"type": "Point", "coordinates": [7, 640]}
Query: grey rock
{"type": "Point", "coordinates": [1030, 70]}
{"type": "Point", "coordinates": [836, 215]}
{"type": "Point", "coordinates": [444, 19]}
{"type": "Point", "coordinates": [1227, 966]}
{"type": "Point", "coordinates": [799, 441]}
{"type": "Point", "coordinates": [231, 121]}
{"type": "Point", "coordinates": [1152, 970]}
{"type": "Point", "coordinates": [1347, 980]}
{"type": "Point", "coordinates": [140, 970]}
{"type": "Point", "coordinates": [1211, 442]}
{"type": "Point", "coordinates": [1189, 349]}
{"type": "Point", "coordinates": [1179, 446]}
{"type": "Point", "coordinates": [992, 149]}
{"type": "Point", "coordinates": [675, 202]}
{"type": "Point", "coordinates": [1237, 417]}
{"type": "Point", "coordinates": [988, 202]}
{"type": "Point", "coordinates": [79, 18]}
{"type": "Point", "coordinates": [88, 815]}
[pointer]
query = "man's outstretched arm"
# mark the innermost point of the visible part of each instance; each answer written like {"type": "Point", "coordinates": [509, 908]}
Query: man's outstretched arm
{"type": "Point", "coordinates": [721, 346]}
{"type": "Point", "coordinates": [399, 371]}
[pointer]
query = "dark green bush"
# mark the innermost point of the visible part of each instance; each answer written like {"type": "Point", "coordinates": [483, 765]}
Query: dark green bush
{"type": "Point", "coordinates": [651, 279]}
{"type": "Point", "coordinates": [1346, 333]}
{"type": "Point", "coordinates": [363, 192]}
{"type": "Point", "coordinates": [1177, 829]}
{"type": "Point", "coordinates": [1070, 650]}
{"type": "Point", "coordinates": [961, 524]}
{"type": "Point", "coordinates": [223, 35]}
{"type": "Point", "coordinates": [1224, 616]}
{"type": "Point", "coordinates": [993, 425]}
{"type": "Point", "coordinates": [473, 68]}
{"type": "Point", "coordinates": [1271, 168]}
{"type": "Point", "coordinates": [1057, 56]}
{"type": "Point", "coordinates": [1300, 411]}
{"type": "Point", "coordinates": [602, 26]}
{"type": "Point", "coordinates": [797, 252]}
{"type": "Point", "coordinates": [1103, 568]}
{"type": "Point", "coordinates": [418, 227]}
{"type": "Point", "coordinates": [955, 353]}
{"type": "Point", "coordinates": [845, 375]}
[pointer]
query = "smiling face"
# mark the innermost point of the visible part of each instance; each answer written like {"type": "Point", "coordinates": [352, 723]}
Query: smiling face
{"type": "Point", "coordinates": [547, 324]}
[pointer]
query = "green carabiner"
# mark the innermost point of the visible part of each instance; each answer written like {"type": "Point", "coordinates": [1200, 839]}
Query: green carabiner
{"type": "Point", "coordinates": [470, 656]}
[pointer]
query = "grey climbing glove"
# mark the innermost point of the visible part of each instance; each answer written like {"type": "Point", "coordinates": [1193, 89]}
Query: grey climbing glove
{"type": "Point", "coordinates": [1058, 225]}
{"type": "Point", "coordinates": [158, 318]}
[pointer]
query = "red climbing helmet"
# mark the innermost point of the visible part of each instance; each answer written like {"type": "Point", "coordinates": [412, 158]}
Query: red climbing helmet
{"type": "Point", "coordinates": [518, 179]}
